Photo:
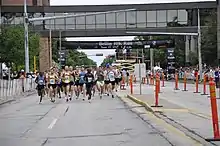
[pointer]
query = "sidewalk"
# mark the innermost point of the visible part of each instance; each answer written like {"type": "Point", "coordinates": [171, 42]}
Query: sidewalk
{"type": "Point", "coordinates": [11, 90]}
{"type": "Point", "coordinates": [190, 110]}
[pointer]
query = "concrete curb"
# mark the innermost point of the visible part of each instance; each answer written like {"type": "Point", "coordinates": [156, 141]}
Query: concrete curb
{"type": "Point", "coordinates": [8, 101]}
{"type": "Point", "coordinates": [171, 122]}
{"type": "Point", "coordinates": [26, 94]}
{"type": "Point", "coordinates": [147, 106]}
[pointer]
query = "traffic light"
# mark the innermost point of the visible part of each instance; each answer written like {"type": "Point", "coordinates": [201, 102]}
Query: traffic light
{"type": "Point", "coordinates": [99, 54]}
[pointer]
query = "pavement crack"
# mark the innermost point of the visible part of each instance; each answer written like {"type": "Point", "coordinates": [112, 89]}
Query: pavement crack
{"type": "Point", "coordinates": [67, 109]}
{"type": "Point", "coordinates": [190, 133]}
{"type": "Point", "coordinates": [195, 114]}
{"type": "Point", "coordinates": [38, 120]}
{"type": "Point", "coordinates": [89, 135]}
{"type": "Point", "coordinates": [19, 116]}
{"type": "Point", "coordinates": [44, 142]}
{"type": "Point", "coordinates": [160, 133]}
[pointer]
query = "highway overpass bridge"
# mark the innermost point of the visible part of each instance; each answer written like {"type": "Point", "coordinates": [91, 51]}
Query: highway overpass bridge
{"type": "Point", "coordinates": [166, 17]}
{"type": "Point", "coordinates": [147, 17]}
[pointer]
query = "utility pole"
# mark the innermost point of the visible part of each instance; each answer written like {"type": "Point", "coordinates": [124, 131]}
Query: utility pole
{"type": "Point", "coordinates": [60, 45]}
{"type": "Point", "coordinates": [151, 58]}
{"type": "Point", "coordinates": [26, 46]}
{"type": "Point", "coordinates": [50, 45]}
{"type": "Point", "coordinates": [35, 67]}
{"type": "Point", "coordinates": [137, 54]}
{"type": "Point", "coordinates": [199, 46]}
{"type": "Point", "coordinates": [142, 54]}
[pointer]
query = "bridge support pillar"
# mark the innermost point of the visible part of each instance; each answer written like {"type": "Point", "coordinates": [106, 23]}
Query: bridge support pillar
{"type": "Point", "coordinates": [187, 46]}
{"type": "Point", "coordinates": [45, 56]}
{"type": "Point", "coordinates": [193, 44]}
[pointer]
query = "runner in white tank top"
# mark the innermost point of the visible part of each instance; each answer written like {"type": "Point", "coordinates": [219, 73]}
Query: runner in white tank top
{"type": "Point", "coordinates": [111, 75]}
{"type": "Point", "coordinates": [117, 78]}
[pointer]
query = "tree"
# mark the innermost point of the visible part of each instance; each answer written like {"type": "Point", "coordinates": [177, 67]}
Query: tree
{"type": "Point", "coordinates": [12, 51]}
{"type": "Point", "coordinates": [73, 58]}
{"type": "Point", "coordinates": [76, 58]}
{"type": "Point", "coordinates": [209, 37]}
{"type": "Point", "coordinates": [107, 60]}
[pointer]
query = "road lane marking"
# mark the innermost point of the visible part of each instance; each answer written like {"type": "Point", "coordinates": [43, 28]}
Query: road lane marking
{"type": "Point", "coordinates": [52, 124]}
{"type": "Point", "coordinates": [171, 110]}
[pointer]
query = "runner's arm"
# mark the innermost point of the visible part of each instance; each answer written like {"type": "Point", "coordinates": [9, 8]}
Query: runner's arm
{"type": "Point", "coordinates": [93, 77]}
{"type": "Point", "coordinates": [85, 77]}
{"type": "Point", "coordinates": [45, 79]}
{"type": "Point", "coordinates": [36, 80]}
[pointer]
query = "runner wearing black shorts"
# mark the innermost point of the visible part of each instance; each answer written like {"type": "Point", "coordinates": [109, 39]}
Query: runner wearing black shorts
{"type": "Point", "coordinates": [77, 85]}
{"type": "Point", "coordinates": [106, 81]}
{"type": "Point", "coordinates": [111, 76]}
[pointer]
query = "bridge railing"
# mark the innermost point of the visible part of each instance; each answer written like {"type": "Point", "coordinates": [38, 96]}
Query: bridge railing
{"type": "Point", "coordinates": [12, 89]}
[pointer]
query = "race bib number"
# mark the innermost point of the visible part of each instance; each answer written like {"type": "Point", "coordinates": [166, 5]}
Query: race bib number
{"type": "Point", "coordinates": [40, 82]}
{"type": "Point", "coordinates": [81, 79]}
{"type": "Point", "coordinates": [89, 79]}
{"type": "Point", "coordinates": [111, 77]}
{"type": "Point", "coordinates": [66, 79]}
{"type": "Point", "coordinates": [59, 81]}
{"type": "Point", "coordinates": [52, 81]}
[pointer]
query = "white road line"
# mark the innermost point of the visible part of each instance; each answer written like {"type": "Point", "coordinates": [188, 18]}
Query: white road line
{"type": "Point", "coordinates": [52, 124]}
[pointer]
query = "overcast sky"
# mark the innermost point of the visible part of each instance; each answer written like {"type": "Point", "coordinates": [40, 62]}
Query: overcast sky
{"type": "Point", "coordinates": [106, 2]}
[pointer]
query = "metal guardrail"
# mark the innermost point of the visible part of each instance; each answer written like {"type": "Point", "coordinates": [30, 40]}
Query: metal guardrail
{"type": "Point", "coordinates": [11, 89]}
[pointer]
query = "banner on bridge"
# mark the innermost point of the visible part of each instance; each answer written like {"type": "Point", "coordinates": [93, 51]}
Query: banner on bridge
{"type": "Point", "coordinates": [116, 44]}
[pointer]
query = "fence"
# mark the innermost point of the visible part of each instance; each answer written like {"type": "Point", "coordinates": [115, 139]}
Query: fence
{"type": "Point", "coordinates": [11, 88]}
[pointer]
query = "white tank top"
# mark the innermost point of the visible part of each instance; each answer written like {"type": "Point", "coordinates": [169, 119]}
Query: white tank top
{"type": "Point", "coordinates": [117, 73]}
{"type": "Point", "coordinates": [95, 75]}
{"type": "Point", "coordinates": [105, 75]}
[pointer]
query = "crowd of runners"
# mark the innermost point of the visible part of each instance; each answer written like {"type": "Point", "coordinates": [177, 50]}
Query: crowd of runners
{"type": "Point", "coordinates": [78, 83]}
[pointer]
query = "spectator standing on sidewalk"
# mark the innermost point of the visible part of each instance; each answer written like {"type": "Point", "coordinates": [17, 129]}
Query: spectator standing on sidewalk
{"type": "Point", "coordinates": [22, 77]}
{"type": "Point", "coordinates": [217, 77]}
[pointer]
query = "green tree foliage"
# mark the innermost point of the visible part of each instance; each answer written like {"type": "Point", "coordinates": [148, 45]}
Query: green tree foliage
{"type": "Point", "coordinates": [107, 60]}
{"type": "Point", "coordinates": [209, 36]}
{"type": "Point", "coordinates": [12, 51]}
{"type": "Point", "coordinates": [73, 58]}
{"type": "Point", "coordinates": [76, 58]}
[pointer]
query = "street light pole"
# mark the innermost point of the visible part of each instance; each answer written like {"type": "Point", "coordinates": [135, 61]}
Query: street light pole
{"type": "Point", "coordinates": [50, 44]}
{"type": "Point", "coordinates": [60, 45]}
{"type": "Point", "coordinates": [199, 46]}
{"type": "Point", "coordinates": [26, 38]}
{"type": "Point", "coordinates": [151, 58]}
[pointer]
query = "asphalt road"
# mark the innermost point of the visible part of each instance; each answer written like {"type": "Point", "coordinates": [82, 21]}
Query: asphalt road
{"type": "Point", "coordinates": [106, 122]}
